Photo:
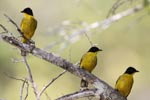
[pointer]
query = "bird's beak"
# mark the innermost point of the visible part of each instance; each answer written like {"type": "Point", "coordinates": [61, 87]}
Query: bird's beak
{"type": "Point", "coordinates": [22, 11]}
{"type": "Point", "coordinates": [137, 71]}
{"type": "Point", "coordinates": [100, 50]}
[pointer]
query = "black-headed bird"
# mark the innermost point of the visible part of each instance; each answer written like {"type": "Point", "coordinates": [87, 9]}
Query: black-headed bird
{"type": "Point", "coordinates": [28, 25]}
{"type": "Point", "coordinates": [88, 63]}
{"type": "Point", "coordinates": [125, 82]}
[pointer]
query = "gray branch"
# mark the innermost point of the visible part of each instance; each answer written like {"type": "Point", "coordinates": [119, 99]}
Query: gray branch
{"type": "Point", "coordinates": [103, 88]}
{"type": "Point", "coordinates": [79, 94]}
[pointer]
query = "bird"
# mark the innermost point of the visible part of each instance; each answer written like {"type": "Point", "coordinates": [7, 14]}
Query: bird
{"type": "Point", "coordinates": [125, 82]}
{"type": "Point", "coordinates": [28, 26]}
{"type": "Point", "coordinates": [88, 63]}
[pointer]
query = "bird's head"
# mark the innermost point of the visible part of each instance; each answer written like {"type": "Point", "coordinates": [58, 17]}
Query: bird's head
{"type": "Point", "coordinates": [27, 11]}
{"type": "Point", "coordinates": [131, 70]}
{"type": "Point", "coordinates": [94, 49]}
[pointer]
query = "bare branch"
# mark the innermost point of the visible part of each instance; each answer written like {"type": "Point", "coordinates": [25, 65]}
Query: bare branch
{"type": "Point", "coordinates": [31, 78]}
{"type": "Point", "coordinates": [22, 88]}
{"type": "Point", "coordinates": [103, 87]}
{"type": "Point", "coordinates": [53, 80]}
{"type": "Point", "coordinates": [79, 94]}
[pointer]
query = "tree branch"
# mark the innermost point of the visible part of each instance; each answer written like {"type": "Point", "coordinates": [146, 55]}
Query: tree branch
{"type": "Point", "coordinates": [103, 87]}
{"type": "Point", "coordinates": [79, 94]}
{"type": "Point", "coordinates": [49, 83]}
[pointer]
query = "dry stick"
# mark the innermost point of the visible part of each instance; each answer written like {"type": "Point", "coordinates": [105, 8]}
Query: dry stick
{"type": "Point", "coordinates": [79, 94]}
{"type": "Point", "coordinates": [53, 80]}
{"type": "Point", "coordinates": [31, 78]}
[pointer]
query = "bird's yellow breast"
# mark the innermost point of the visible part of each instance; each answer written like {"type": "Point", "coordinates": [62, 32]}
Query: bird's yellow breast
{"type": "Point", "coordinates": [88, 61]}
{"type": "Point", "coordinates": [124, 84]}
{"type": "Point", "coordinates": [28, 26]}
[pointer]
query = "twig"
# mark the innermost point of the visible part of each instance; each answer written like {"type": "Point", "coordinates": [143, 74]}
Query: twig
{"type": "Point", "coordinates": [27, 89]}
{"type": "Point", "coordinates": [5, 30]}
{"type": "Point", "coordinates": [79, 94]}
{"type": "Point", "coordinates": [88, 39]}
{"type": "Point", "coordinates": [12, 77]}
{"type": "Point", "coordinates": [22, 88]}
{"type": "Point", "coordinates": [31, 78]}
{"type": "Point", "coordinates": [48, 98]}
{"type": "Point", "coordinates": [53, 80]}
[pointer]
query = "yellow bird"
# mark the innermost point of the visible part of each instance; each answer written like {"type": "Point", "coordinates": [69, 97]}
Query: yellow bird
{"type": "Point", "coordinates": [88, 63]}
{"type": "Point", "coordinates": [28, 25]}
{"type": "Point", "coordinates": [125, 82]}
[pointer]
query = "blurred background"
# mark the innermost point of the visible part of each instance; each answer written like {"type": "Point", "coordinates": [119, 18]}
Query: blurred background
{"type": "Point", "coordinates": [125, 43]}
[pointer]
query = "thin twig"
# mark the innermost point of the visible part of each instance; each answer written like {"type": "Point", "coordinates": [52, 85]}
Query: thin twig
{"type": "Point", "coordinates": [5, 30]}
{"type": "Point", "coordinates": [22, 88]}
{"type": "Point", "coordinates": [12, 77]}
{"type": "Point", "coordinates": [31, 78]}
{"type": "Point", "coordinates": [53, 80]}
{"type": "Point", "coordinates": [48, 98]}
{"type": "Point", "coordinates": [88, 39]}
{"type": "Point", "coordinates": [27, 89]}
{"type": "Point", "coordinates": [79, 94]}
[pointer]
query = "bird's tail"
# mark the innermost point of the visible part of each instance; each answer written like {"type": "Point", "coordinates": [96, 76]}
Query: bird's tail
{"type": "Point", "coordinates": [84, 84]}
